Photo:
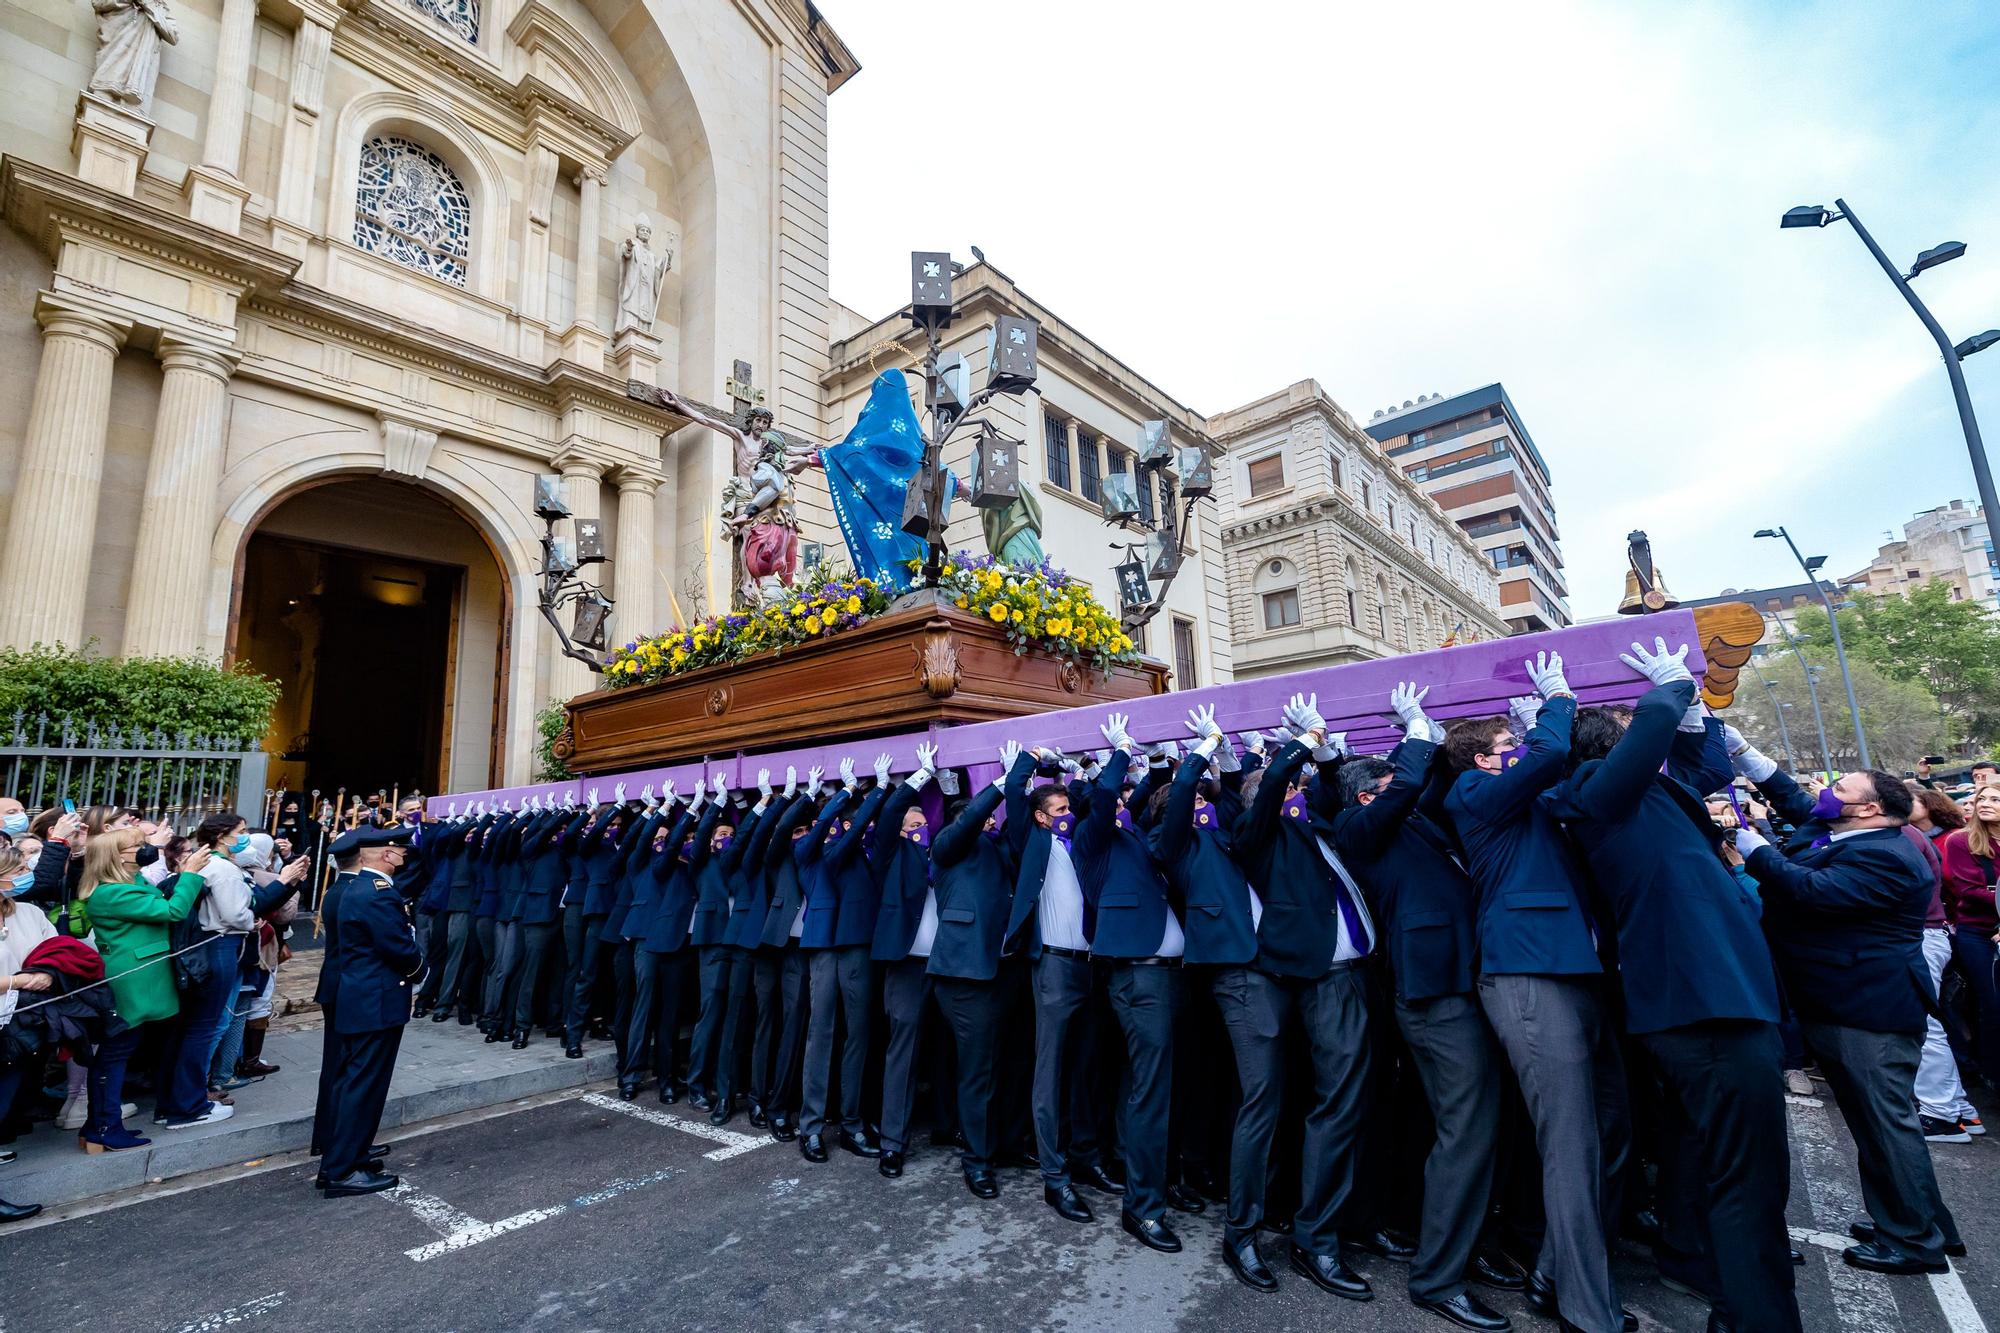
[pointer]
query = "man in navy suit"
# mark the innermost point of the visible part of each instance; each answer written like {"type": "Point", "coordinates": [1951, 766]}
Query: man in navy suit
{"type": "Point", "coordinates": [1700, 992]}
{"type": "Point", "coordinates": [1423, 902]}
{"type": "Point", "coordinates": [712, 1073]}
{"type": "Point", "coordinates": [975, 889]}
{"type": "Point", "coordinates": [377, 969]}
{"type": "Point", "coordinates": [837, 976]}
{"type": "Point", "coordinates": [1844, 910]}
{"type": "Point", "coordinates": [1539, 985]}
{"type": "Point", "coordinates": [905, 928]}
{"type": "Point", "coordinates": [1139, 931]}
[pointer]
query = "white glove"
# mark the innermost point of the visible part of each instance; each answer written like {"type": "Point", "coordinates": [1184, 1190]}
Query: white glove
{"type": "Point", "coordinates": [948, 781]}
{"type": "Point", "coordinates": [814, 775]}
{"type": "Point", "coordinates": [791, 782]}
{"type": "Point", "coordinates": [1010, 753]}
{"type": "Point", "coordinates": [1695, 719]}
{"type": "Point", "coordinates": [569, 799]}
{"type": "Point", "coordinates": [721, 785]}
{"type": "Point", "coordinates": [764, 783]}
{"type": "Point", "coordinates": [847, 774]}
{"type": "Point", "coordinates": [700, 791]}
{"type": "Point", "coordinates": [1746, 758]}
{"type": "Point", "coordinates": [1749, 840]}
{"type": "Point", "coordinates": [1658, 666]}
{"type": "Point", "coordinates": [1407, 702]}
{"type": "Point", "coordinates": [1253, 741]}
{"type": "Point", "coordinates": [508, 805]}
{"type": "Point", "coordinates": [1302, 713]}
{"type": "Point", "coordinates": [1334, 748]}
{"type": "Point", "coordinates": [1201, 722]}
{"type": "Point", "coordinates": [1545, 673]}
{"type": "Point", "coordinates": [1047, 758]}
{"type": "Point", "coordinates": [451, 812]}
{"type": "Point", "coordinates": [1114, 732]}
{"type": "Point", "coordinates": [667, 796]}
{"type": "Point", "coordinates": [882, 762]}
{"type": "Point", "coordinates": [1434, 731]}
{"type": "Point", "coordinates": [927, 757]}
{"type": "Point", "coordinates": [618, 794]}
{"type": "Point", "coordinates": [646, 796]}
{"type": "Point", "coordinates": [1283, 735]}
{"type": "Point", "coordinates": [1522, 712]}
{"type": "Point", "coordinates": [592, 800]}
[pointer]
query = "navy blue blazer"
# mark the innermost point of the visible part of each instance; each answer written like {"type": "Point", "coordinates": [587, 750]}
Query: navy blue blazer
{"type": "Point", "coordinates": [1119, 879]}
{"type": "Point", "coordinates": [822, 894]}
{"type": "Point", "coordinates": [746, 879]}
{"type": "Point", "coordinates": [376, 960]}
{"type": "Point", "coordinates": [1030, 843]}
{"type": "Point", "coordinates": [456, 862]}
{"type": "Point", "coordinates": [672, 913]}
{"type": "Point", "coordinates": [975, 889]}
{"type": "Point", "coordinates": [785, 884]}
{"type": "Point", "coordinates": [636, 887]}
{"type": "Point", "coordinates": [710, 873]}
{"type": "Point", "coordinates": [545, 853]}
{"type": "Point", "coordinates": [904, 871]}
{"type": "Point", "coordinates": [1422, 901]}
{"type": "Point", "coordinates": [1199, 864]}
{"type": "Point", "coordinates": [854, 882]}
{"type": "Point", "coordinates": [488, 865]}
{"type": "Point", "coordinates": [1690, 944]}
{"type": "Point", "coordinates": [1846, 924]}
{"type": "Point", "coordinates": [648, 871]}
{"type": "Point", "coordinates": [603, 860]}
{"type": "Point", "coordinates": [1283, 861]}
{"type": "Point", "coordinates": [1532, 917]}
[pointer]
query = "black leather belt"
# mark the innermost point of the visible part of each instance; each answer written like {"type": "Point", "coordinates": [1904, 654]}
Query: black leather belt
{"type": "Point", "coordinates": [1150, 962]}
{"type": "Point", "coordinates": [1060, 952]}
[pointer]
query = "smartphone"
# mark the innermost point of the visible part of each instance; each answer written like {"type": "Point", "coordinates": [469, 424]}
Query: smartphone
{"type": "Point", "coordinates": [69, 806]}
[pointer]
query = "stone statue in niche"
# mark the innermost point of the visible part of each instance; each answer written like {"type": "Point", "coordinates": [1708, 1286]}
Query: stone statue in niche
{"type": "Point", "coordinates": [642, 273]}
{"type": "Point", "coordinates": [129, 34]}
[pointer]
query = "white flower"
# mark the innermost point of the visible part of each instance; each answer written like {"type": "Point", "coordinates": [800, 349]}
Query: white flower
{"type": "Point", "coordinates": [900, 483]}
{"type": "Point", "coordinates": [900, 426]}
{"type": "Point", "coordinates": [884, 532]}
{"type": "Point", "coordinates": [861, 488]}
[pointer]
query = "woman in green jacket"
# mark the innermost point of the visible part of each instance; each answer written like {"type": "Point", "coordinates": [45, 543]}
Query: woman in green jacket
{"type": "Point", "coordinates": [132, 922]}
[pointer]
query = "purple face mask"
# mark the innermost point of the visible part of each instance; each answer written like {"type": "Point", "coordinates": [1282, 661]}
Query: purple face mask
{"type": "Point", "coordinates": [1827, 806]}
{"type": "Point", "coordinates": [722, 842]}
{"type": "Point", "coordinates": [1204, 814]}
{"type": "Point", "coordinates": [921, 835]}
{"type": "Point", "coordinates": [1295, 807]}
{"type": "Point", "coordinates": [1063, 826]}
{"type": "Point", "coordinates": [1125, 820]}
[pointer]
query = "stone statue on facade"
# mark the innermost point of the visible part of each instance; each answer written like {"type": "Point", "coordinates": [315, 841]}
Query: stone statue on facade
{"type": "Point", "coordinates": [642, 274]}
{"type": "Point", "coordinates": [758, 513]}
{"type": "Point", "coordinates": [129, 34]}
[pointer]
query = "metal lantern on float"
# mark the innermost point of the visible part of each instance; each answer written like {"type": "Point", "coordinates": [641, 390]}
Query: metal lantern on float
{"type": "Point", "coordinates": [591, 613]}
{"type": "Point", "coordinates": [1163, 553]}
{"type": "Point", "coordinates": [930, 287]}
{"type": "Point", "coordinates": [1134, 593]}
{"type": "Point", "coordinates": [996, 475]}
{"type": "Point", "coordinates": [562, 557]}
{"type": "Point", "coordinates": [1121, 496]}
{"type": "Point", "coordinates": [1197, 472]}
{"type": "Point", "coordinates": [946, 393]}
{"type": "Point", "coordinates": [918, 520]}
{"type": "Point", "coordinates": [549, 502]}
{"type": "Point", "coordinates": [590, 542]}
{"type": "Point", "coordinates": [1156, 447]}
{"type": "Point", "coordinates": [1012, 364]}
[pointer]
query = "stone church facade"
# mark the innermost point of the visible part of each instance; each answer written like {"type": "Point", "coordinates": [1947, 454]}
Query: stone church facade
{"type": "Point", "coordinates": [292, 338]}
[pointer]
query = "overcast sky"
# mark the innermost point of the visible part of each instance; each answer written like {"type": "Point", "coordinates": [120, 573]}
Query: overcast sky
{"type": "Point", "coordinates": [1578, 200]}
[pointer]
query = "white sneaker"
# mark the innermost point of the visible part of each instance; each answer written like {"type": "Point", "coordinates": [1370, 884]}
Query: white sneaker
{"type": "Point", "coordinates": [1798, 1082]}
{"type": "Point", "coordinates": [75, 1110]}
{"type": "Point", "coordinates": [216, 1111]}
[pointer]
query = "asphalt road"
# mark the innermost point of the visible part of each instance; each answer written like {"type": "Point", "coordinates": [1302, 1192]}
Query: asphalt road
{"type": "Point", "coordinates": [576, 1214]}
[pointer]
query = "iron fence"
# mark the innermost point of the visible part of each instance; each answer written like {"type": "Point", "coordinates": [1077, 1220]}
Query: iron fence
{"type": "Point", "coordinates": [178, 777]}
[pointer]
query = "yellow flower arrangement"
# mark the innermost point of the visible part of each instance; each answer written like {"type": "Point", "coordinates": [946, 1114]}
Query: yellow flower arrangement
{"type": "Point", "coordinates": [826, 603]}
{"type": "Point", "coordinates": [1041, 607]}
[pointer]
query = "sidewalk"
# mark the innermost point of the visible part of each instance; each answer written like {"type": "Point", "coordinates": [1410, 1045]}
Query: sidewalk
{"type": "Point", "coordinates": [443, 1069]}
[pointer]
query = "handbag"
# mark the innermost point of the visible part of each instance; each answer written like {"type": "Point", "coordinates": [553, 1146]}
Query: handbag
{"type": "Point", "coordinates": [194, 968]}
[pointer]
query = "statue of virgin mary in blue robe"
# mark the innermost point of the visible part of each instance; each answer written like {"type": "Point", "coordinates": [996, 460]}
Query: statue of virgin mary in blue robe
{"type": "Point", "coordinates": [868, 474]}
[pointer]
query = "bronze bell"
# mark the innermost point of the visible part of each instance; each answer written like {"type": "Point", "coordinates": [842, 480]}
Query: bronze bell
{"type": "Point", "coordinates": [1645, 590]}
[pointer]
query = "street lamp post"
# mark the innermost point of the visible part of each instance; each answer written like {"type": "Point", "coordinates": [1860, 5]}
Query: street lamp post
{"type": "Point", "coordinates": [1778, 707]}
{"type": "Point", "coordinates": [1812, 692]}
{"type": "Point", "coordinates": [1815, 215]}
{"type": "Point", "coordinates": [1811, 569]}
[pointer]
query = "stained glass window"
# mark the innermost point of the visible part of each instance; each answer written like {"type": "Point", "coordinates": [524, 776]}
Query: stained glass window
{"type": "Point", "coordinates": [461, 16]}
{"type": "Point", "coordinates": [410, 207]}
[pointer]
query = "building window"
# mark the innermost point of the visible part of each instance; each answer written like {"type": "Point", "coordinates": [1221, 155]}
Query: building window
{"type": "Point", "coordinates": [1353, 597]}
{"type": "Point", "coordinates": [1367, 496]}
{"type": "Point", "coordinates": [1333, 462]}
{"type": "Point", "coordinates": [1055, 435]}
{"type": "Point", "coordinates": [410, 208]}
{"type": "Point", "coordinates": [1281, 608]}
{"type": "Point", "coordinates": [461, 16]}
{"type": "Point", "coordinates": [1184, 674]}
{"type": "Point", "coordinates": [1434, 549]}
{"type": "Point", "coordinates": [1086, 466]}
{"type": "Point", "coordinates": [1267, 475]}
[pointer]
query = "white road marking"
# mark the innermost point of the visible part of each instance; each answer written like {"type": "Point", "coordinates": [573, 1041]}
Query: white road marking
{"type": "Point", "coordinates": [1952, 1298]}
{"type": "Point", "coordinates": [734, 1145]}
{"type": "Point", "coordinates": [1797, 1100]}
{"type": "Point", "coordinates": [1862, 1301]}
{"type": "Point", "coordinates": [459, 1230]}
{"type": "Point", "coordinates": [235, 1314]}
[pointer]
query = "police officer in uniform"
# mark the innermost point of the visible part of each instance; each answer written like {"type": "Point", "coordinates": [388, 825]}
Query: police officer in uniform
{"type": "Point", "coordinates": [373, 954]}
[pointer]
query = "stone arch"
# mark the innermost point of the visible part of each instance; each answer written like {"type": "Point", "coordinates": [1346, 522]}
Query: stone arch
{"type": "Point", "coordinates": [1351, 581]}
{"type": "Point", "coordinates": [566, 59]}
{"type": "Point", "coordinates": [428, 123]}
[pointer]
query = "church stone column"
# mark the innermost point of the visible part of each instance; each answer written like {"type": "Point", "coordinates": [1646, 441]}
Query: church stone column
{"type": "Point", "coordinates": [590, 189]}
{"type": "Point", "coordinates": [291, 222]}
{"type": "Point", "coordinates": [215, 194]}
{"type": "Point", "coordinates": [46, 551]}
{"type": "Point", "coordinates": [170, 566]}
{"type": "Point", "coordinates": [634, 570]}
{"type": "Point", "coordinates": [581, 482]}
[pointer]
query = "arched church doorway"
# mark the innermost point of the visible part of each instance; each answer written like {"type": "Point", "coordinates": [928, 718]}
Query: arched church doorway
{"type": "Point", "coordinates": [382, 612]}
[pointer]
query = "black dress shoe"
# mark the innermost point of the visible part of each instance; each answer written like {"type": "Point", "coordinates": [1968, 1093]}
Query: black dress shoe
{"type": "Point", "coordinates": [723, 1112]}
{"type": "Point", "coordinates": [982, 1184]}
{"type": "Point", "coordinates": [377, 1152]}
{"type": "Point", "coordinates": [600, 1030]}
{"type": "Point", "coordinates": [1114, 1171]}
{"type": "Point", "coordinates": [1201, 1182]}
{"type": "Point", "coordinates": [572, 1052]}
{"type": "Point", "coordinates": [1155, 1235]}
{"type": "Point", "coordinates": [17, 1212]}
{"type": "Point", "coordinates": [1541, 1293]}
{"type": "Point", "coordinates": [365, 1181]}
{"type": "Point", "coordinates": [669, 1092]}
{"type": "Point", "coordinates": [495, 1034]}
{"type": "Point", "coordinates": [1018, 1159]}
{"type": "Point", "coordinates": [1386, 1244]}
{"type": "Point", "coordinates": [1491, 1268]}
{"type": "Point", "coordinates": [784, 1129]}
{"type": "Point", "coordinates": [1247, 1262]}
{"type": "Point", "coordinates": [1865, 1233]}
{"type": "Point", "coordinates": [1277, 1226]}
{"type": "Point", "coordinates": [891, 1165]}
{"type": "Point", "coordinates": [1876, 1257]}
{"type": "Point", "coordinates": [848, 1141]}
{"type": "Point", "coordinates": [813, 1148]}
{"type": "Point", "coordinates": [1067, 1203]}
{"type": "Point", "coordinates": [521, 1040]}
{"type": "Point", "coordinates": [628, 1088]}
{"type": "Point", "coordinates": [1643, 1227]}
{"type": "Point", "coordinates": [419, 1011]}
{"type": "Point", "coordinates": [758, 1117]}
{"type": "Point", "coordinates": [1331, 1273]}
{"type": "Point", "coordinates": [440, 1015]}
{"type": "Point", "coordinates": [1468, 1311]}
{"type": "Point", "coordinates": [699, 1100]}
{"type": "Point", "coordinates": [1184, 1200]}
{"type": "Point", "coordinates": [1095, 1178]}
{"type": "Point", "coordinates": [955, 1139]}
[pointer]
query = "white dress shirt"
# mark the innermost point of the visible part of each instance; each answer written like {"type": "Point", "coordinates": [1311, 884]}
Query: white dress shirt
{"type": "Point", "coordinates": [1059, 911]}
{"type": "Point", "coordinates": [1349, 947]}
{"type": "Point", "coordinates": [920, 947]}
{"type": "Point", "coordinates": [1173, 943]}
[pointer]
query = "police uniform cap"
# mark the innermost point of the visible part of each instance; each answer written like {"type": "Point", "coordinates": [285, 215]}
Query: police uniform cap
{"type": "Point", "coordinates": [355, 839]}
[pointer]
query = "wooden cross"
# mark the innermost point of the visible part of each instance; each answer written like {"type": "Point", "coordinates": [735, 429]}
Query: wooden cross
{"type": "Point", "coordinates": [742, 391]}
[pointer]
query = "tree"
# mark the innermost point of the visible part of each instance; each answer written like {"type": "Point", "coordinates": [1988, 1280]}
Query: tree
{"type": "Point", "coordinates": [1900, 716]}
{"type": "Point", "coordinates": [1950, 647]}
